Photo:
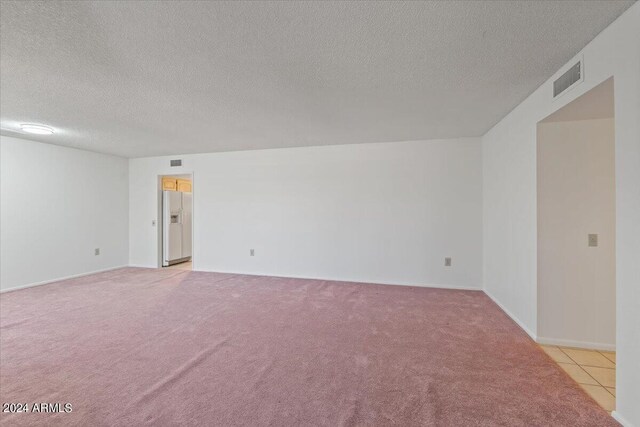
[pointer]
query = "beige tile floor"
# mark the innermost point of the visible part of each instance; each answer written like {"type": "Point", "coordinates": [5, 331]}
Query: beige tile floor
{"type": "Point", "coordinates": [594, 371]}
{"type": "Point", "coordinates": [182, 266]}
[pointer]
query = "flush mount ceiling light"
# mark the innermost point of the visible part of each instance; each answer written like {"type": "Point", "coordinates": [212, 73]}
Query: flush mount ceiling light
{"type": "Point", "coordinates": [36, 129]}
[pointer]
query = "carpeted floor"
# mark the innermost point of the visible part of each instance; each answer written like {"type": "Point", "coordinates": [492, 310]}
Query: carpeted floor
{"type": "Point", "coordinates": [166, 347]}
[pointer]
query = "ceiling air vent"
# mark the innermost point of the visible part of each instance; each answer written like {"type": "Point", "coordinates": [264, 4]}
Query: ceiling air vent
{"type": "Point", "coordinates": [176, 162]}
{"type": "Point", "coordinates": [571, 77]}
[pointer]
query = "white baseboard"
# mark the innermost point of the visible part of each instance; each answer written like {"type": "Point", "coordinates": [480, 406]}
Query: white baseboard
{"type": "Point", "coordinates": [619, 418]}
{"type": "Point", "coordinates": [46, 282]}
{"type": "Point", "coordinates": [576, 344]}
{"type": "Point", "coordinates": [512, 316]}
{"type": "Point", "coordinates": [552, 341]}
{"type": "Point", "coordinates": [436, 286]}
{"type": "Point", "coordinates": [334, 279]}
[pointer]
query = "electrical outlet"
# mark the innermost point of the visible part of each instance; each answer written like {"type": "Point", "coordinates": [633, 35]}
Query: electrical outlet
{"type": "Point", "coordinates": [593, 240]}
{"type": "Point", "coordinates": [96, 251]}
{"type": "Point", "coordinates": [252, 252]}
{"type": "Point", "coordinates": [447, 262]}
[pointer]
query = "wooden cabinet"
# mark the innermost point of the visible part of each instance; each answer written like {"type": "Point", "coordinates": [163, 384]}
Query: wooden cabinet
{"type": "Point", "coordinates": [176, 184]}
{"type": "Point", "coordinates": [169, 184]}
{"type": "Point", "coordinates": [184, 185]}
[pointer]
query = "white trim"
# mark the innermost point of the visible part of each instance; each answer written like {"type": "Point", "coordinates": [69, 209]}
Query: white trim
{"type": "Point", "coordinates": [333, 279]}
{"type": "Point", "coordinates": [619, 418]}
{"type": "Point", "coordinates": [512, 316]}
{"type": "Point", "coordinates": [552, 341]}
{"type": "Point", "coordinates": [46, 282]}
{"type": "Point", "coordinates": [155, 267]}
{"type": "Point", "coordinates": [419, 285]}
{"type": "Point", "coordinates": [577, 344]}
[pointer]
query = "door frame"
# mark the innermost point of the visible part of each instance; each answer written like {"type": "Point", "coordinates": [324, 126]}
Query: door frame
{"type": "Point", "coordinates": [159, 213]}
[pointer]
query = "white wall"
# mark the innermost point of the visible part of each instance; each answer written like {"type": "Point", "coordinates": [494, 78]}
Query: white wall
{"type": "Point", "coordinates": [576, 197]}
{"type": "Point", "coordinates": [387, 213]}
{"type": "Point", "coordinates": [57, 205]}
{"type": "Point", "coordinates": [509, 161]}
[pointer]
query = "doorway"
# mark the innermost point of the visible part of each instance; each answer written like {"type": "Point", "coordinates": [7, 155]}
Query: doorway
{"type": "Point", "coordinates": [576, 240]}
{"type": "Point", "coordinates": [176, 221]}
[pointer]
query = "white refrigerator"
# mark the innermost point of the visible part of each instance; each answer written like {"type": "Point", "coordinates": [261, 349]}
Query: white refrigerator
{"type": "Point", "coordinates": [176, 227]}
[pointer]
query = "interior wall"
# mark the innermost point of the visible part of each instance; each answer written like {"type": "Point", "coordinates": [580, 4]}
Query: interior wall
{"type": "Point", "coordinates": [509, 188]}
{"type": "Point", "coordinates": [576, 197]}
{"type": "Point", "coordinates": [384, 213]}
{"type": "Point", "coordinates": [57, 205]}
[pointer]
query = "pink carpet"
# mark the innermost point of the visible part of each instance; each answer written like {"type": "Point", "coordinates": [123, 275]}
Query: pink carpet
{"type": "Point", "coordinates": [165, 347]}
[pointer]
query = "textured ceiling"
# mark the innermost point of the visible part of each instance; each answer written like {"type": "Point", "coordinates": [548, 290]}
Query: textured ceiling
{"type": "Point", "coordinates": [151, 78]}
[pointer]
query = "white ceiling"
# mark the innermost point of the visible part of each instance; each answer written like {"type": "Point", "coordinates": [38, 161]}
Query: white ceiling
{"type": "Point", "coordinates": [151, 78]}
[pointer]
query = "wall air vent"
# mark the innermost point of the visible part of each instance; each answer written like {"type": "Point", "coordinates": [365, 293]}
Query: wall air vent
{"type": "Point", "coordinates": [571, 77]}
{"type": "Point", "coordinates": [176, 162]}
